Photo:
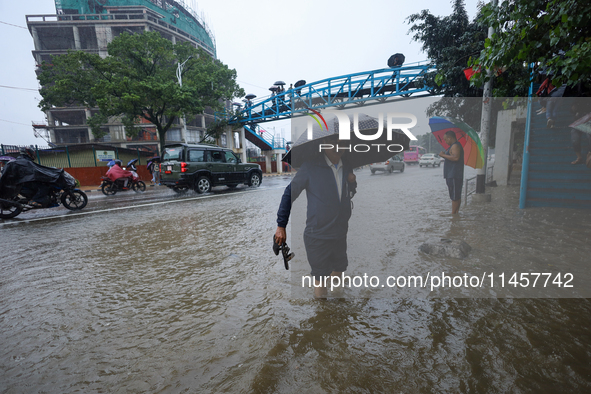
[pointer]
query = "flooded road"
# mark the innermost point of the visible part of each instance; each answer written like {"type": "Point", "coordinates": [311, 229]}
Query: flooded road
{"type": "Point", "coordinates": [188, 297]}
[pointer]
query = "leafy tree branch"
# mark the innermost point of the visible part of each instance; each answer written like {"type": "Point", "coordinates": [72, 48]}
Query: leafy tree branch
{"type": "Point", "coordinates": [138, 80]}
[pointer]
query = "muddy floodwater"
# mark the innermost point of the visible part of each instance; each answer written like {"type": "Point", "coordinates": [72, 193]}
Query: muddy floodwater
{"type": "Point", "coordinates": [188, 297]}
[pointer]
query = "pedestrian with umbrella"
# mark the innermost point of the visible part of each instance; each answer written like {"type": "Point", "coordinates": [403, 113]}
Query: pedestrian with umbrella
{"type": "Point", "coordinates": [153, 169]}
{"type": "Point", "coordinates": [248, 99]}
{"type": "Point", "coordinates": [461, 146]}
{"type": "Point", "coordinates": [453, 169]}
{"type": "Point", "coordinates": [328, 179]}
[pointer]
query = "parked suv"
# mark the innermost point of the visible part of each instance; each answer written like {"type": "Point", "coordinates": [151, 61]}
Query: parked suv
{"type": "Point", "coordinates": [200, 167]}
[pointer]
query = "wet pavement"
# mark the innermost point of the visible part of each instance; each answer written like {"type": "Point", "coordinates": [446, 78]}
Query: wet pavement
{"type": "Point", "coordinates": [164, 293]}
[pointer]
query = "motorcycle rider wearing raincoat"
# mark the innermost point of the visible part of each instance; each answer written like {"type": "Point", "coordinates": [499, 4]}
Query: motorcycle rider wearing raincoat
{"type": "Point", "coordinates": [41, 189]}
{"type": "Point", "coordinates": [116, 172]}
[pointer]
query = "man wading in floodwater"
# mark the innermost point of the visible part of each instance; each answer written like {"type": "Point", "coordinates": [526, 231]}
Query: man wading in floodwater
{"type": "Point", "coordinates": [453, 169]}
{"type": "Point", "coordinates": [328, 183]}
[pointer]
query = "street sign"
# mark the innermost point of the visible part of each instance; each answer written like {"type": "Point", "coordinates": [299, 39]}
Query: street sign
{"type": "Point", "coordinates": [105, 155]}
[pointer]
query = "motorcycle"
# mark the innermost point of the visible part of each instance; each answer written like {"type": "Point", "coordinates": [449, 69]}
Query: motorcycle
{"type": "Point", "coordinates": [21, 180]}
{"type": "Point", "coordinates": [109, 187]}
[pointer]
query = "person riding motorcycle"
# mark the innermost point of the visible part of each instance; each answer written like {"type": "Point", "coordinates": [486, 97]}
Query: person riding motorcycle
{"type": "Point", "coordinates": [117, 172]}
{"type": "Point", "coordinates": [40, 198]}
{"type": "Point", "coordinates": [25, 185]}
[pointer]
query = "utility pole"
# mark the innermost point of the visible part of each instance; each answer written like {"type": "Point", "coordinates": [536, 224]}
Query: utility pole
{"type": "Point", "coordinates": [485, 120]}
{"type": "Point", "coordinates": [179, 76]}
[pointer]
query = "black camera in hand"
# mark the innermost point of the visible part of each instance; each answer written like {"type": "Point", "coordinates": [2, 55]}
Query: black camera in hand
{"type": "Point", "coordinates": [352, 188]}
{"type": "Point", "coordinates": [284, 249]}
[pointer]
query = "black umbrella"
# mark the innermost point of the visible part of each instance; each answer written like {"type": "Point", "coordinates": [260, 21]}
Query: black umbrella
{"type": "Point", "coordinates": [299, 83]}
{"type": "Point", "coordinates": [281, 83]}
{"type": "Point", "coordinates": [250, 96]}
{"type": "Point", "coordinates": [361, 152]}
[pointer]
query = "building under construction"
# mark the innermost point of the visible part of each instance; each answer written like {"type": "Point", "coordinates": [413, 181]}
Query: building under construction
{"type": "Point", "coordinates": [89, 25]}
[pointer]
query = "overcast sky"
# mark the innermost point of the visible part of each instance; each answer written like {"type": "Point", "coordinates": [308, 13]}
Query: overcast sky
{"type": "Point", "coordinates": [264, 40]}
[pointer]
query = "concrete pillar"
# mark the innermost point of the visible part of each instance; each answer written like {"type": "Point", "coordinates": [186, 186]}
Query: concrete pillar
{"type": "Point", "coordinates": [104, 35]}
{"type": "Point", "coordinates": [183, 125]}
{"type": "Point", "coordinates": [36, 39]}
{"type": "Point", "coordinates": [88, 115]}
{"type": "Point", "coordinates": [50, 119]}
{"type": "Point", "coordinates": [230, 138]}
{"type": "Point", "coordinates": [268, 154]}
{"type": "Point", "coordinates": [37, 44]}
{"type": "Point", "coordinates": [51, 124]}
{"type": "Point", "coordinates": [242, 145]}
{"type": "Point", "coordinates": [77, 45]}
{"type": "Point", "coordinates": [279, 163]}
{"type": "Point", "coordinates": [503, 147]}
{"type": "Point", "coordinates": [236, 139]}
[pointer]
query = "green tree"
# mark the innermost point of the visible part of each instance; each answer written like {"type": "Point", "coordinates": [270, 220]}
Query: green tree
{"type": "Point", "coordinates": [452, 43]}
{"type": "Point", "coordinates": [553, 33]}
{"type": "Point", "coordinates": [138, 80]}
{"type": "Point", "coordinates": [429, 142]}
{"type": "Point", "coordinates": [449, 41]}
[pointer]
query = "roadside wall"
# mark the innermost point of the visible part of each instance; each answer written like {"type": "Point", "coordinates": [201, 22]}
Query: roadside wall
{"type": "Point", "coordinates": [92, 175]}
{"type": "Point", "coordinates": [80, 155]}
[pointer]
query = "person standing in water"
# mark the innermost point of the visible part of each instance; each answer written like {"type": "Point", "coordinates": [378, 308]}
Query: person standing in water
{"type": "Point", "coordinates": [453, 169]}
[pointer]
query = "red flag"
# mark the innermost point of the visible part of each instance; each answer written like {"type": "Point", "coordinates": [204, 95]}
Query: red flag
{"type": "Point", "coordinates": [469, 72]}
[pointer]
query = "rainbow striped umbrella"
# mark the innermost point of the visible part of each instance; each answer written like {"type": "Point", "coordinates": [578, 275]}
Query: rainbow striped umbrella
{"type": "Point", "coordinates": [466, 135]}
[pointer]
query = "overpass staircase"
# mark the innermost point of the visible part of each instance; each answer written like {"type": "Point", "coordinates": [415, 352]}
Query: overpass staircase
{"type": "Point", "coordinates": [262, 138]}
{"type": "Point", "coordinates": [548, 177]}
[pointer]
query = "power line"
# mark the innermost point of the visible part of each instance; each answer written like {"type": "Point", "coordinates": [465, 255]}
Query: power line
{"type": "Point", "coordinates": [24, 124]}
{"type": "Point", "coordinates": [14, 87]}
{"type": "Point", "coordinates": [246, 83]}
{"type": "Point", "coordinates": [10, 24]}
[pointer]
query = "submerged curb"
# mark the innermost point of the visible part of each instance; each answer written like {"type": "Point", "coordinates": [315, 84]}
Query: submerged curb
{"type": "Point", "coordinates": [277, 174]}
{"type": "Point", "coordinates": [91, 189]}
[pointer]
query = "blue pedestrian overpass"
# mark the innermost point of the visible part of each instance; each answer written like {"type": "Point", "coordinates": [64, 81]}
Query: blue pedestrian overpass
{"type": "Point", "coordinates": [342, 91]}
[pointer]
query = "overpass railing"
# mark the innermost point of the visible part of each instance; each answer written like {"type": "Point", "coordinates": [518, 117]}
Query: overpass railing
{"type": "Point", "coordinates": [338, 91]}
